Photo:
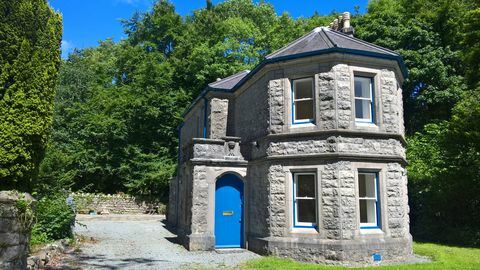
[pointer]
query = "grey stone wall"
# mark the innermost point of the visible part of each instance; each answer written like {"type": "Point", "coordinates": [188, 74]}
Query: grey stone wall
{"type": "Point", "coordinates": [218, 115]}
{"type": "Point", "coordinates": [277, 104]}
{"type": "Point", "coordinates": [172, 211]}
{"type": "Point", "coordinates": [344, 97]}
{"type": "Point", "coordinates": [397, 200]}
{"type": "Point", "coordinates": [199, 200]}
{"type": "Point", "coordinates": [326, 100]}
{"type": "Point", "coordinates": [258, 196]}
{"type": "Point", "coordinates": [392, 106]}
{"type": "Point", "coordinates": [252, 111]}
{"type": "Point", "coordinates": [349, 253]}
{"type": "Point", "coordinates": [337, 238]}
{"type": "Point", "coordinates": [193, 124]}
{"type": "Point", "coordinates": [15, 227]}
{"type": "Point", "coordinates": [115, 204]}
{"type": "Point", "coordinates": [336, 144]}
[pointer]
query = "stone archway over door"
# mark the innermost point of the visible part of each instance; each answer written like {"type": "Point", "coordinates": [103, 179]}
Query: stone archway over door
{"type": "Point", "coordinates": [229, 217]}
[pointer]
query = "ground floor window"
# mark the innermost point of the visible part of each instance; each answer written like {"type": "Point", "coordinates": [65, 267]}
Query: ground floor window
{"type": "Point", "coordinates": [369, 202]}
{"type": "Point", "coordinates": [304, 200]}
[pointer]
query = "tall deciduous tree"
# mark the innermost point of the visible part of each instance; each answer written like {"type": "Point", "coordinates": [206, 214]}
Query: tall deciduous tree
{"type": "Point", "coordinates": [30, 36]}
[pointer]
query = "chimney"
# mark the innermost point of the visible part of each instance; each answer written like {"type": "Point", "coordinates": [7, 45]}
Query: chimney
{"type": "Point", "coordinates": [342, 24]}
{"type": "Point", "coordinates": [335, 24]}
{"type": "Point", "coordinates": [346, 27]}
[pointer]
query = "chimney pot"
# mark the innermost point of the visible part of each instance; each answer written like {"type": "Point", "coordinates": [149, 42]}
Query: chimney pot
{"type": "Point", "coordinates": [335, 24]}
{"type": "Point", "coordinates": [346, 19]}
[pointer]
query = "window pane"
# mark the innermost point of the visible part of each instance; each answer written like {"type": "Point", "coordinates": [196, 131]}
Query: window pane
{"type": "Point", "coordinates": [362, 87]}
{"type": "Point", "coordinates": [366, 185]}
{"type": "Point", "coordinates": [306, 210]}
{"type": "Point", "coordinates": [306, 185]}
{"type": "Point", "coordinates": [362, 109]}
{"type": "Point", "coordinates": [303, 89]}
{"type": "Point", "coordinates": [304, 110]}
{"type": "Point", "coordinates": [367, 211]}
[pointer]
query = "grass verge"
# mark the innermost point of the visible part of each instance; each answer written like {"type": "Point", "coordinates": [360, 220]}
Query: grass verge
{"type": "Point", "coordinates": [444, 257]}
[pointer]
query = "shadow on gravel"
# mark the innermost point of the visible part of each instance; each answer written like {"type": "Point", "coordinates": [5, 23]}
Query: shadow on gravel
{"type": "Point", "coordinates": [175, 239]}
{"type": "Point", "coordinates": [100, 262]}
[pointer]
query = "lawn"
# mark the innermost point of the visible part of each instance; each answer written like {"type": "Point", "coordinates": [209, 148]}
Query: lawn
{"type": "Point", "coordinates": [444, 257]}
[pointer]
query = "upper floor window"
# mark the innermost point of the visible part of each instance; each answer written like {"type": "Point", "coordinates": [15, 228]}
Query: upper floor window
{"type": "Point", "coordinates": [368, 200]}
{"type": "Point", "coordinates": [304, 199]}
{"type": "Point", "coordinates": [302, 101]}
{"type": "Point", "coordinates": [364, 100]}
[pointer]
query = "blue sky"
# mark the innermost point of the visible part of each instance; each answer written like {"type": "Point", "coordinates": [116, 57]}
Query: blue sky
{"type": "Point", "coordinates": [85, 22]}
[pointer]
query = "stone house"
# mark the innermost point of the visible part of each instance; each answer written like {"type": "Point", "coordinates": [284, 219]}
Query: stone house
{"type": "Point", "coordinates": [302, 157]}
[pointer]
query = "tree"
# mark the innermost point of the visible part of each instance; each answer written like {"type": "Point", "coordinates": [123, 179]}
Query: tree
{"type": "Point", "coordinates": [30, 36]}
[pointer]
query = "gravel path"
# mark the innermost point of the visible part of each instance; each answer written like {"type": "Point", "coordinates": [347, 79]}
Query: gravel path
{"type": "Point", "coordinates": [142, 242]}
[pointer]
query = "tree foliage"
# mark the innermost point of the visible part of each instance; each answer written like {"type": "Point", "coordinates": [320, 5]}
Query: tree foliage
{"type": "Point", "coordinates": [118, 105]}
{"type": "Point", "coordinates": [30, 35]}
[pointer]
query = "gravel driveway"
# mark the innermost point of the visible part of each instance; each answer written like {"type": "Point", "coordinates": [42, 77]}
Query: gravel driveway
{"type": "Point", "coordinates": [142, 242]}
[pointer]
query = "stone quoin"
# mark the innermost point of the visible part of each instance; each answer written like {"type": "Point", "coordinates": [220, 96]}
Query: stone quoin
{"type": "Point", "coordinates": [302, 157]}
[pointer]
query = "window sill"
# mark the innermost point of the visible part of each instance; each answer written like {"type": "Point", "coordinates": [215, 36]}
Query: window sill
{"type": "Point", "coordinates": [302, 125]}
{"type": "Point", "coordinates": [371, 231]}
{"type": "Point", "coordinates": [304, 230]}
{"type": "Point", "coordinates": [365, 124]}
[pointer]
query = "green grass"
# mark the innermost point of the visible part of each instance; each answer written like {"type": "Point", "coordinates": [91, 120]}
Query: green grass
{"type": "Point", "coordinates": [443, 257]}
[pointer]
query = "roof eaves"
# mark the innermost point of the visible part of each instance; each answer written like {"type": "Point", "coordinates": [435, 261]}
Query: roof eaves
{"type": "Point", "coordinates": [229, 78]}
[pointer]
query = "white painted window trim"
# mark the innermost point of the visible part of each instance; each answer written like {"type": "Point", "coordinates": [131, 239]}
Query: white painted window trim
{"type": "Point", "coordinates": [377, 223]}
{"type": "Point", "coordinates": [371, 120]}
{"type": "Point", "coordinates": [303, 122]}
{"type": "Point", "coordinates": [296, 224]}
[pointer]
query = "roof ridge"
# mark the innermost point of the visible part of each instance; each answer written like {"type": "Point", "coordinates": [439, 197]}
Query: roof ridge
{"type": "Point", "coordinates": [290, 44]}
{"type": "Point", "coordinates": [361, 41]}
{"type": "Point", "coordinates": [327, 38]}
{"type": "Point", "coordinates": [229, 77]}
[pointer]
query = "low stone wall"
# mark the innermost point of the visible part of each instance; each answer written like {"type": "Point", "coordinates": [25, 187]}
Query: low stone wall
{"type": "Point", "coordinates": [86, 203]}
{"type": "Point", "coordinates": [16, 218]}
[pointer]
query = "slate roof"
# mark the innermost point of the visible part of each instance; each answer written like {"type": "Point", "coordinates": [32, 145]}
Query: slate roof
{"type": "Point", "coordinates": [324, 38]}
{"type": "Point", "coordinates": [321, 40]}
{"type": "Point", "coordinates": [229, 82]}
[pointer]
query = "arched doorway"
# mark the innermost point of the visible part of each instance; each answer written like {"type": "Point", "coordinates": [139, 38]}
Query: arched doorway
{"type": "Point", "coordinates": [229, 212]}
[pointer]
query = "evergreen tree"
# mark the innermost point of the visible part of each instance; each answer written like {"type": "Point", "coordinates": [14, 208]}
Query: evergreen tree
{"type": "Point", "coordinates": [30, 36]}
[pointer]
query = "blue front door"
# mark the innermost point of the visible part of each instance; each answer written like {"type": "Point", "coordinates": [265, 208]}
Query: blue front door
{"type": "Point", "coordinates": [229, 212]}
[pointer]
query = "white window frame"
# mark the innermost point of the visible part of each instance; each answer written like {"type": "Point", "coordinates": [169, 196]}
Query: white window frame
{"type": "Point", "coordinates": [296, 121]}
{"type": "Point", "coordinates": [296, 223]}
{"type": "Point", "coordinates": [377, 223]}
{"type": "Point", "coordinates": [370, 120]}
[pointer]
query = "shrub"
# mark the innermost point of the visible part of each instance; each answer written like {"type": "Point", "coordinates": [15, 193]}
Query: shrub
{"type": "Point", "coordinates": [54, 219]}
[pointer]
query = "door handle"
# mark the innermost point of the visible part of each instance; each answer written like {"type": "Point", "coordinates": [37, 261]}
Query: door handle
{"type": "Point", "coordinates": [227, 213]}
